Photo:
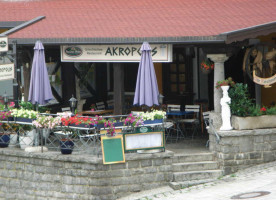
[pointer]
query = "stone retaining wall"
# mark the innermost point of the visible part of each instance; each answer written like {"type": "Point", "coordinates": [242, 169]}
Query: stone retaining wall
{"type": "Point", "coordinates": [51, 175]}
{"type": "Point", "coordinates": [239, 149]}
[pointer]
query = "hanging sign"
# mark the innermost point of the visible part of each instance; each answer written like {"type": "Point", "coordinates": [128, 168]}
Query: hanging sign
{"type": "Point", "coordinates": [6, 71]}
{"type": "Point", "coordinates": [264, 81]}
{"type": "Point", "coordinates": [3, 44]}
{"type": "Point", "coordinates": [114, 53]}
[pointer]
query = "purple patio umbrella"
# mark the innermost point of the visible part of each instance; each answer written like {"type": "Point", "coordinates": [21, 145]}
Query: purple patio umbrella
{"type": "Point", "coordinates": [40, 89]}
{"type": "Point", "coordinates": [146, 92]}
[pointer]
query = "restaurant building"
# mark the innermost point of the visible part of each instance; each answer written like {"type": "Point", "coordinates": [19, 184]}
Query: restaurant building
{"type": "Point", "coordinates": [92, 47]}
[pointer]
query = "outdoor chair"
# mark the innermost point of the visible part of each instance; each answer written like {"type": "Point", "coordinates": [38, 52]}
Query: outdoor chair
{"type": "Point", "coordinates": [100, 105]}
{"type": "Point", "coordinates": [65, 109]}
{"type": "Point", "coordinates": [110, 104]}
{"type": "Point", "coordinates": [192, 121]}
{"type": "Point", "coordinates": [174, 111]}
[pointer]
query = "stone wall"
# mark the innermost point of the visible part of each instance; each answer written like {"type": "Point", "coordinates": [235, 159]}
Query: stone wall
{"type": "Point", "coordinates": [239, 149]}
{"type": "Point", "coordinates": [51, 175]}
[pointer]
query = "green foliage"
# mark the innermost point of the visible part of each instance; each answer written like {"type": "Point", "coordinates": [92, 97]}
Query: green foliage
{"type": "Point", "coordinates": [26, 105]}
{"type": "Point", "coordinates": [255, 111]}
{"type": "Point", "coordinates": [225, 82]}
{"type": "Point", "coordinates": [2, 107]}
{"type": "Point", "coordinates": [241, 104]}
{"type": "Point", "coordinates": [271, 111]}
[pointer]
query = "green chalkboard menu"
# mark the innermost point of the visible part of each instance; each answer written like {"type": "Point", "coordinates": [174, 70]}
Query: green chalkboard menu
{"type": "Point", "coordinates": [112, 149]}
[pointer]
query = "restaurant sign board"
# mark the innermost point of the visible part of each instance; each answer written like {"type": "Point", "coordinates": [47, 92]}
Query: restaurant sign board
{"type": "Point", "coordinates": [6, 71]}
{"type": "Point", "coordinates": [114, 53]}
{"type": "Point", "coordinates": [3, 44]}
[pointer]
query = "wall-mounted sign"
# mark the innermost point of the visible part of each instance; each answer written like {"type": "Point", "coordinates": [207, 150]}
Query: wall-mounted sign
{"type": "Point", "coordinates": [114, 53]}
{"type": "Point", "coordinates": [3, 44]}
{"type": "Point", "coordinates": [6, 71]}
{"type": "Point", "coordinates": [266, 82]}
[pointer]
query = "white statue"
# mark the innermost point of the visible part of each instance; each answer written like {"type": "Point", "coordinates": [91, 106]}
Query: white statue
{"type": "Point", "coordinates": [225, 110]}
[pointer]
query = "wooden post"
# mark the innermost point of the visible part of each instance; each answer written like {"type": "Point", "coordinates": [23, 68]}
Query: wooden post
{"type": "Point", "coordinates": [118, 88]}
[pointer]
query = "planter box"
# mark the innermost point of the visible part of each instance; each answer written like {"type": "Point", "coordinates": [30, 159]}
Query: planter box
{"type": "Point", "coordinates": [81, 125]}
{"type": "Point", "coordinates": [264, 121]}
{"type": "Point", "coordinates": [21, 119]}
{"type": "Point", "coordinates": [156, 121]}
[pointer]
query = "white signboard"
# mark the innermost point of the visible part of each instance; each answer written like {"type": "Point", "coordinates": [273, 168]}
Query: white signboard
{"type": "Point", "coordinates": [114, 53]}
{"type": "Point", "coordinates": [143, 140]}
{"type": "Point", "coordinates": [3, 44]}
{"type": "Point", "coordinates": [6, 71]}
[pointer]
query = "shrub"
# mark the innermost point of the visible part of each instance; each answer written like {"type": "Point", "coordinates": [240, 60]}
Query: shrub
{"type": "Point", "coordinates": [241, 104]}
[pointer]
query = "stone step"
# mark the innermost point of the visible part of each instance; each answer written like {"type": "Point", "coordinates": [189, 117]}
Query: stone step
{"type": "Point", "coordinates": [185, 184]}
{"type": "Point", "coordinates": [196, 175]}
{"type": "Point", "coordinates": [181, 158]}
{"type": "Point", "coordinates": [194, 166]}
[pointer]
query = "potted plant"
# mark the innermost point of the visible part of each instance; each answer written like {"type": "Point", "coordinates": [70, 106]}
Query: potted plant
{"type": "Point", "coordinates": [11, 130]}
{"type": "Point", "coordinates": [247, 115]}
{"type": "Point", "coordinates": [133, 121]}
{"type": "Point", "coordinates": [207, 66]}
{"type": "Point", "coordinates": [24, 115]}
{"type": "Point", "coordinates": [110, 128]}
{"type": "Point", "coordinates": [155, 116]}
{"type": "Point", "coordinates": [227, 82]}
{"type": "Point", "coordinates": [67, 143]}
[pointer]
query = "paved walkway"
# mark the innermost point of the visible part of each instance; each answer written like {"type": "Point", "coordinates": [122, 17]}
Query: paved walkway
{"type": "Point", "coordinates": [256, 183]}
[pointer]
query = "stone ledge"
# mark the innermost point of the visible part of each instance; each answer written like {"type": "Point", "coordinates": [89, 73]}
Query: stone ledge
{"type": "Point", "coordinates": [82, 158]}
{"type": "Point", "coordinates": [240, 133]}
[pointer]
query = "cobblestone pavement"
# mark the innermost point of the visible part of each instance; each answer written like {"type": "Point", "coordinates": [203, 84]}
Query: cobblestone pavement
{"type": "Point", "coordinates": [256, 183]}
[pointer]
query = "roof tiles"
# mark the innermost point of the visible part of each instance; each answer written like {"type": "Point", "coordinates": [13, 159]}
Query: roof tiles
{"type": "Point", "coordinates": [132, 18]}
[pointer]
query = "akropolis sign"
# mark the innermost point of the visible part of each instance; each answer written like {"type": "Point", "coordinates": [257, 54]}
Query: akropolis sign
{"type": "Point", "coordinates": [3, 44]}
{"type": "Point", "coordinates": [6, 71]}
{"type": "Point", "coordinates": [113, 53]}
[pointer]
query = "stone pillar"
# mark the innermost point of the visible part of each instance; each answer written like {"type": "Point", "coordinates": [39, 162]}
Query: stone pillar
{"type": "Point", "coordinates": [219, 60]}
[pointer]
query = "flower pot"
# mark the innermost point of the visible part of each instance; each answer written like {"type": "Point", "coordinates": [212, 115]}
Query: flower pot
{"type": "Point", "coordinates": [25, 141]}
{"type": "Point", "coordinates": [66, 146]}
{"type": "Point", "coordinates": [46, 133]}
{"type": "Point", "coordinates": [206, 71]}
{"type": "Point", "coordinates": [13, 139]}
{"type": "Point", "coordinates": [256, 122]}
{"type": "Point", "coordinates": [4, 140]}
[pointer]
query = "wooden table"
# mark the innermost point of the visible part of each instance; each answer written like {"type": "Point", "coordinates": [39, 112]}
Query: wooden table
{"type": "Point", "coordinates": [96, 112]}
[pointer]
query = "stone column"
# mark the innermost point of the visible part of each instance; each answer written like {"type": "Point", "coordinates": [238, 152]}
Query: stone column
{"type": "Point", "coordinates": [219, 60]}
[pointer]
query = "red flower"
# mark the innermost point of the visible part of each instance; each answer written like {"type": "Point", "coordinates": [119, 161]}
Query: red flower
{"type": "Point", "coordinates": [263, 109]}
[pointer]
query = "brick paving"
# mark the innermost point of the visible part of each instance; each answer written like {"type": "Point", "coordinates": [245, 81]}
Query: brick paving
{"type": "Point", "coordinates": [254, 181]}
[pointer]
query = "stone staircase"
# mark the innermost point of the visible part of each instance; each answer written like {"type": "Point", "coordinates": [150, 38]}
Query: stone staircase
{"type": "Point", "coordinates": [194, 169]}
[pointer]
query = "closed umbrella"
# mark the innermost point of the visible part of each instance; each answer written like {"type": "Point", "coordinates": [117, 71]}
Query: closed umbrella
{"type": "Point", "coordinates": [40, 89]}
{"type": "Point", "coordinates": [146, 92]}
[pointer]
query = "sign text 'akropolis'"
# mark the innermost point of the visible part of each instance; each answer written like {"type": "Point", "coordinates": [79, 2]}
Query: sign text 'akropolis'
{"type": "Point", "coordinates": [113, 53]}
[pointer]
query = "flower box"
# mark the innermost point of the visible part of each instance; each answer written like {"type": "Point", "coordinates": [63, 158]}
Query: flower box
{"type": "Point", "coordinates": [155, 121]}
{"type": "Point", "coordinates": [21, 119]}
{"type": "Point", "coordinates": [256, 122]}
{"type": "Point", "coordinates": [81, 125]}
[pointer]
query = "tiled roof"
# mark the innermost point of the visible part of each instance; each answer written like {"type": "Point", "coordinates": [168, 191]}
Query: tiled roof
{"type": "Point", "coordinates": [135, 18]}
